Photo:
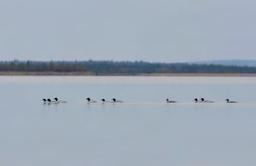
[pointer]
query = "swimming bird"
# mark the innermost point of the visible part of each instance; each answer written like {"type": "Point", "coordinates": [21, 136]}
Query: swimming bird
{"type": "Point", "coordinates": [49, 101]}
{"type": "Point", "coordinates": [57, 100]}
{"type": "Point", "coordinates": [196, 100]}
{"type": "Point", "coordinates": [114, 100]}
{"type": "Point", "coordinates": [105, 101]}
{"type": "Point", "coordinates": [89, 100]}
{"type": "Point", "coordinates": [170, 101]}
{"type": "Point", "coordinates": [229, 101]}
{"type": "Point", "coordinates": [206, 101]}
{"type": "Point", "coordinates": [44, 100]}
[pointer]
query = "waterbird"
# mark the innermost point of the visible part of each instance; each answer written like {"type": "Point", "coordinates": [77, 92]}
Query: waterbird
{"type": "Point", "coordinates": [105, 101]}
{"type": "Point", "coordinates": [206, 101]}
{"type": "Point", "coordinates": [44, 100]}
{"type": "Point", "coordinates": [114, 100]}
{"type": "Point", "coordinates": [196, 100]}
{"type": "Point", "coordinates": [89, 100]}
{"type": "Point", "coordinates": [57, 100]}
{"type": "Point", "coordinates": [49, 101]}
{"type": "Point", "coordinates": [229, 101]}
{"type": "Point", "coordinates": [170, 101]}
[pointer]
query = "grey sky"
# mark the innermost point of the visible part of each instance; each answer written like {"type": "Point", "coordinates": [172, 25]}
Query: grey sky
{"type": "Point", "coordinates": [159, 30]}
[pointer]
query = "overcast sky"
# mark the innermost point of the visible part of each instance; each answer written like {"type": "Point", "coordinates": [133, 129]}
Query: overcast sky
{"type": "Point", "coordinates": [150, 30]}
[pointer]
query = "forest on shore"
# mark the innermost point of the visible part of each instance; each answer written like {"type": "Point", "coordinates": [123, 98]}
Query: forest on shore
{"type": "Point", "coordinates": [117, 68]}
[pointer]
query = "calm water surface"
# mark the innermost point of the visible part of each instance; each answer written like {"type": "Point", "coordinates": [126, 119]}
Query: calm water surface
{"type": "Point", "coordinates": [143, 131]}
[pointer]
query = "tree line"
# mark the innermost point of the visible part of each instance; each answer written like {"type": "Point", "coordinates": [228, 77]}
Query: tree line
{"type": "Point", "coordinates": [113, 67]}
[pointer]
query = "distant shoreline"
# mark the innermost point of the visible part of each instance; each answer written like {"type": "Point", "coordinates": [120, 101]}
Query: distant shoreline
{"type": "Point", "coordinates": [139, 74]}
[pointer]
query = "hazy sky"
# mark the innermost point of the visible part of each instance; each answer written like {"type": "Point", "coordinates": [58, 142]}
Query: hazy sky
{"type": "Point", "coordinates": [151, 30]}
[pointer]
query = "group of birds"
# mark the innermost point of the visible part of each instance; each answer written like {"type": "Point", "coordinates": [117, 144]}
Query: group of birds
{"type": "Point", "coordinates": [202, 100]}
{"type": "Point", "coordinates": [89, 100]}
{"type": "Point", "coordinates": [56, 100]}
{"type": "Point", "coordinates": [114, 100]}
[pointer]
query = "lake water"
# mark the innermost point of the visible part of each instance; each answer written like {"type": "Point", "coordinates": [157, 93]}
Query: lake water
{"type": "Point", "coordinates": [142, 131]}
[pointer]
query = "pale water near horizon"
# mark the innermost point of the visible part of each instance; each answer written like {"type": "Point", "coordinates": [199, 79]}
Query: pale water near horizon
{"type": "Point", "coordinates": [142, 131]}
